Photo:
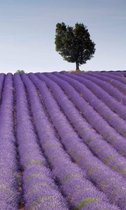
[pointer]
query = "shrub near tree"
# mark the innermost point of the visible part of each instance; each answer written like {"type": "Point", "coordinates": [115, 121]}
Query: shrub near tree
{"type": "Point", "coordinates": [20, 71]}
{"type": "Point", "coordinates": [74, 43]}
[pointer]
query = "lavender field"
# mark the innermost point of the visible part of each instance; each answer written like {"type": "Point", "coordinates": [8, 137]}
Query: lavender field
{"type": "Point", "coordinates": [63, 141]}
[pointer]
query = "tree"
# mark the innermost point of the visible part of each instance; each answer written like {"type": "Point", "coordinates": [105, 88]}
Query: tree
{"type": "Point", "coordinates": [74, 43]}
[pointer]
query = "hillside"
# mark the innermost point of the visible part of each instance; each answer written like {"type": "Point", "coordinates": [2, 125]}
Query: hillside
{"type": "Point", "coordinates": [63, 141]}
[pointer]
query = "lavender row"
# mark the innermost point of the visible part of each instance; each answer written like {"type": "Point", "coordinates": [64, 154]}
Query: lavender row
{"type": "Point", "coordinates": [40, 191]}
{"type": "Point", "coordinates": [94, 141]}
{"type": "Point", "coordinates": [118, 86]}
{"type": "Point", "coordinates": [119, 73]}
{"type": "Point", "coordinates": [114, 73]}
{"type": "Point", "coordinates": [92, 116]}
{"type": "Point", "coordinates": [101, 108]}
{"type": "Point", "coordinates": [92, 83]}
{"type": "Point", "coordinates": [122, 79]}
{"type": "Point", "coordinates": [68, 172]}
{"type": "Point", "coordinates": [116, 83]}
{"type": "Point", "coordinates": [80, 193]}
{"type": "Point", "coordinates": [95, 169]}
{"type": "Point", "coordinates": [113, 76]}
{"type": "Point", "coordinates": [9, 195]}
{"type": "Point", "coordinates": [110, 89]}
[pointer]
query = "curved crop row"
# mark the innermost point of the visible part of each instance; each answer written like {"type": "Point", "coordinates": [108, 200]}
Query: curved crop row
{"type": "Point", "coordinates": [115, 82]}
{"type": "Point", "coordinates": [112, 90]}
{"type": "Point", "coordinates": [40, 191]}
{"type": "Point", "coordinates": [96, 171]}
{"type": "Point", "coordinates": [80, 193]}
{"type": "Point", "coordinates": [95, 142]}
{"type": "Point", "coordinates": [120, 78]}
{"type": "Point", "coordinates": [91, 83]}
{"type": "Point", "coordinates": [108, 133]}
{"type": "Point", "coordinates": [112, 118]}
{"type": "Point", "coordinates": [9, 195]}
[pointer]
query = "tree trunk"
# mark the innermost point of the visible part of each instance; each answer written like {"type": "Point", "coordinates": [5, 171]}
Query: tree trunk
{"type": "Point", "coordinates": [77, 66]}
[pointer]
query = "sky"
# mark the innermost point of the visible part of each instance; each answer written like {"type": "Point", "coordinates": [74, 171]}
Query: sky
{"type": "Point", "coordinates": [27, 33]}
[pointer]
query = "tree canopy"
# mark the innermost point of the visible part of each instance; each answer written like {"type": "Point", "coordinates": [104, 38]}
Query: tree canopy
{"type": "Point", "coordinates": [74, 43]}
